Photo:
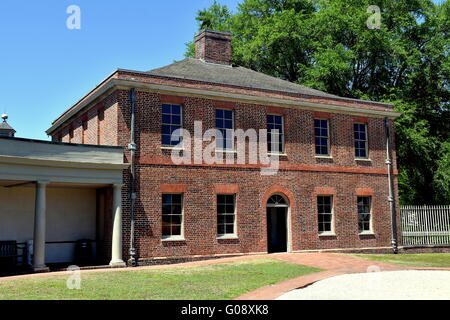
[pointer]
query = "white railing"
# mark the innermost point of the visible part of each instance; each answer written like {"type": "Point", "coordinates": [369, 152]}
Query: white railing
{"type": "Point", "coordinates": [425, 225]}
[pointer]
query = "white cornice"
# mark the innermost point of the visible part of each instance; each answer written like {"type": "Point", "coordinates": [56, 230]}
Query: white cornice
{"type": "Point", "coordinates": [216, 95]}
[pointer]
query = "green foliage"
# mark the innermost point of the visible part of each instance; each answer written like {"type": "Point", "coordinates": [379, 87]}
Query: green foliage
{"type": "Point", "coordinates": [326, 44]}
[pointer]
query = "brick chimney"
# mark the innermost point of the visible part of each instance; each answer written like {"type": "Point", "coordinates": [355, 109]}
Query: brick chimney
{"type": "Point", "coordinates": [213, 46]}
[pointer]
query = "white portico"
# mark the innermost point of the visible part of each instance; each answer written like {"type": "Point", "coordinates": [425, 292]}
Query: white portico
{"type": "Point", "coordinates": [56, 193]}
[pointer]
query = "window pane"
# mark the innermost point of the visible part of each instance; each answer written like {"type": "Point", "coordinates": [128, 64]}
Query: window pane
{"type": "Point", "coordinates": [166, 119]}
{"type": "Point", "coordinates": [166, 230]}
{"type": "Point", "coordinates": [176, 109]}
{"type": "Point", "coordinates": [166, 108]}
{"type": "Point", "coordinates": [228, 114]}
{"type": "Point", "coordinates": [176, 230]}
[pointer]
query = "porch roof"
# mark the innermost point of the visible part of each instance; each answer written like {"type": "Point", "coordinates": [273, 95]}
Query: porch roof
{"type": "Point", "coordinates": [34, 160]}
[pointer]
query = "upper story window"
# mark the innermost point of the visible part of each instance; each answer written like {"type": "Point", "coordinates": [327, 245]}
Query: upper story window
{"type": "Point", "coordinates": [226, 215]}
{"type": "Point", "coordinates": [325, 213]}
{"type": "Point", "coordinates": [171, 121]}
{"type": "Point", "coordinates": [172, 215]}
{"type": "Point", "coordinates": [275, 131]}
{"type": "Point", "coordinates": [224, 124]}
{"type": "Point", "coordinates": [322, 137]}
{"type": "Point", "coordinates": [361, 146]}
{"type": "Point", "coordinates": [364, 214]}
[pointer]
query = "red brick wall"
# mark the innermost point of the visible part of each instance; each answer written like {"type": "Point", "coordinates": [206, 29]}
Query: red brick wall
{"type": "Point", "coordinates": [300, 176]}
{"type": "Point", "coordinates": [97, 132]}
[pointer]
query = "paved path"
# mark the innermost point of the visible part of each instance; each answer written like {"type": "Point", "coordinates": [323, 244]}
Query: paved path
{"type": "Point", "coordinates": [389, 285]}
{"type": "Point", "coordinates": [333, 264]}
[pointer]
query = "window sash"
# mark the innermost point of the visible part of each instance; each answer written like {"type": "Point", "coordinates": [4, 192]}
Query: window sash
{"type": "Point", "coordinates": [225, 125]}
{"type": "Point", "coordinates": [171, 120]}
{"type": "Point", "coordinates": [361, 140]}
{"type": "Point", "coordinates": [325, 214]}
{"type": "Point", "coordinates": [275, 121]}
{"type": "Point", "coordinates": [226, 215]}
{"type": "Point", "coordinates": [172, 215]}
{"type": "Point", "coordinates": [322, 136]}
{"type": "Point", "coordinates": [364, 214]}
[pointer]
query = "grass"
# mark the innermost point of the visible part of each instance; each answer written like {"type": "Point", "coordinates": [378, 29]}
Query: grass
{"type": "Point", "coordinates": [439, 260]}
{"type": "Point", "coordinates": [209, 282]}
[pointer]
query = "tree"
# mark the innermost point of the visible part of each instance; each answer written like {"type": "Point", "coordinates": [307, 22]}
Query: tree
{"type": "Point", "coordinates": [326, 44]}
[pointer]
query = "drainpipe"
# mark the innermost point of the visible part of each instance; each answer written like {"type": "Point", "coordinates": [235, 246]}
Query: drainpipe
{"type": "Point", "coordinates": [132, 148]}
{"type": "Point", "coordinates": [391, 198]}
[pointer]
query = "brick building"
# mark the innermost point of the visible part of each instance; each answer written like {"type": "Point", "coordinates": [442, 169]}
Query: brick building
{"type": "Point", "coordinates": [331, 189]}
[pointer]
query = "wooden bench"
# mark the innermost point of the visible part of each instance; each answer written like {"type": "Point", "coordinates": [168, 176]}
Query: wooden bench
{"type": "Point", "coordinates": [9, 255]}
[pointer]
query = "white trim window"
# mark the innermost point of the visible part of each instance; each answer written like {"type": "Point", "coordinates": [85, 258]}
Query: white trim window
{"type": "Point", "coordinates": [322, 136]}
{"type": "Point", "coordinates": [361, 145]}
{"type": "Point", "coordinates": [171, 120]}
{"type": "Point", "coordinates": [225, 125]}
{"type": "Point", "coordinates": [172, 215]}
{"type": "Point", "coordinates": [364, 214]}
{"type": "Point", "coordinates": [275, 122]}
{"type": "Point", "coordinates": [325, 214]}
{"type": "Point", "coordinates": [226, 215]}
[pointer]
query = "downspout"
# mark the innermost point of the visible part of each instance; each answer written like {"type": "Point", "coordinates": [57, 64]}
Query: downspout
{"type": "Point", "coordinates": [391, 198]}
{"type": "Point", "coordinates": [132, 148]}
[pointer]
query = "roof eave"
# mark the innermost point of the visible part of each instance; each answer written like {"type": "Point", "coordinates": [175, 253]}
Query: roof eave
{"type": "Point", "coordinates": [115, 82]}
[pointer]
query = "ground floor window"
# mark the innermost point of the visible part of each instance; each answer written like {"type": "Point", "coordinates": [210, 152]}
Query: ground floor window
{"type": "Point", "coordinates": [325, 213]}
{"type": "Point", "coordinates": [226, 214]}
{"type": "Point", "coordinates": [172, 215]}
{"type": "Point", "coordinates": [364, 209]}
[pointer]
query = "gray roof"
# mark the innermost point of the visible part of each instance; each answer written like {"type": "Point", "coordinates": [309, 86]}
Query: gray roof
{"type": "Point", "coordinates": [194, 69]}
{"type": "Point", "coordinates": [5, 126]}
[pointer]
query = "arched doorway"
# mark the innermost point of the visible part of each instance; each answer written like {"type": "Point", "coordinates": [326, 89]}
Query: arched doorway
{"type": "Point", "coordinates": [277, 224]}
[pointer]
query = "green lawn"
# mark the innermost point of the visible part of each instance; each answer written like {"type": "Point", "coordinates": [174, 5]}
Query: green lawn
{"type": "Point", "coordinates": [441, 260]}
{"type": "Point", "coordinates": [220, 281]}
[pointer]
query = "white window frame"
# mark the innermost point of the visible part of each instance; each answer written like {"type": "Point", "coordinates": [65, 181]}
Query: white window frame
{"type": "Point", "coordinates": [328, 139]}
{"type": "Point", "coordinates": [174, 237]}
{"type": "Point", "coordinates": [233, 235]}
{"type": "Point", "coordinates": [332, 231]}
{"type": "Point", "coordinates": [366, 145]}
{"type": "Point", "coordinates": [370, 231]}
{"type": "Point", "coordinates": [232, 149]}
{"type": "Point", "coordinates": [168, 146]}
{"type": "Point", "coordinates": [282, 150]}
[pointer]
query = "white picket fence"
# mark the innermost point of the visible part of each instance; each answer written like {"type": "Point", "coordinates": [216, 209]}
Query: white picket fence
{"type": "Point", "coordinates": [425, 225]}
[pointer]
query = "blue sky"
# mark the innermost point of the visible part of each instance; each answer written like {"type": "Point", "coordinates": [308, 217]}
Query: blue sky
{"type": "Point", "coordinates": [46, 68]}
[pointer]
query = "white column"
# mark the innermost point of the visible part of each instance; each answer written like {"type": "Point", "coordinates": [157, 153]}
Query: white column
{"type": "Point", "coordinates": [39, 227]}
{"type": "Point", "coordinates": [116, 254]}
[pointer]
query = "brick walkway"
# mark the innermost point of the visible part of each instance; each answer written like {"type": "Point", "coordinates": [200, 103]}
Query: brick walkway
{"type": "Point", "coordinates": [333, 264]}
